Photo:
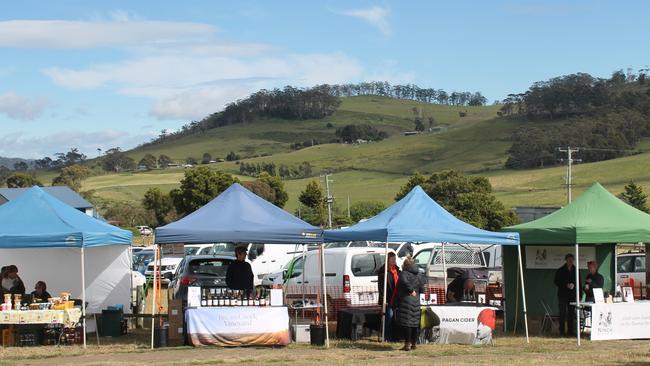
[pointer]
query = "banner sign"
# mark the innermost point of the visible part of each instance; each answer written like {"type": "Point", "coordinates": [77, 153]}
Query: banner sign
{"type": "Point", "coordinates": [620, 321]}
{"type": "Point", "coordinates": [459, 324]}
{"type": "Point", "coordinates": [552, 257]}
{"type": "Point", "coordinates": [238, 326]}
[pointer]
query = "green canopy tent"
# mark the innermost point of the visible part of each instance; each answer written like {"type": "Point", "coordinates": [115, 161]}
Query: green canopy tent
{"type": "Point", "coordinates": [596, 217]}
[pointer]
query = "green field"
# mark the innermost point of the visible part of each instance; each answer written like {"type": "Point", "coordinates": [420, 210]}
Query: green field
{"type": "Point", "coordinates": [476, 144]}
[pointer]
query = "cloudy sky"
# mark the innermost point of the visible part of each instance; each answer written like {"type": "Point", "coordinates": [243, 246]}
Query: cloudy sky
{"type": "Point", "coordinates": [100, 74]}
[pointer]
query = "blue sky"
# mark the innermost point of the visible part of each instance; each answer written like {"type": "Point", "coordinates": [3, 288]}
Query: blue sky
{"type": "Point", "coordinates": [100, 74]}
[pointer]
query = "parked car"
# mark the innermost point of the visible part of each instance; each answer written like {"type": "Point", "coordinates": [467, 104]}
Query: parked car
{"type": "Point", "coordinates": [200, 270]}
{"type": "Point", "coordinates": [350, 274]}
{"type": "Point", "coordinates": [404, 249]}
{"type": "Point", "coordinates": [630, 269]}
{"type": "Point", "coordinates": [279, 277]}
{"type": "Point", "coordinates": [167, 269]}
{"type": "Point", "coordinates": [264, 258]}
{"type": "Point", "coordinates": [348, 244]}
{"type": "Point", "coordinates": [144, 230]}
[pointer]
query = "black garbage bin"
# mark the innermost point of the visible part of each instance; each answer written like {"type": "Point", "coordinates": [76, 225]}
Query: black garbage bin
{"type": "Point", "coordinates": [160, 336]}
{"type": "Point", "coordinates": [317, 334]}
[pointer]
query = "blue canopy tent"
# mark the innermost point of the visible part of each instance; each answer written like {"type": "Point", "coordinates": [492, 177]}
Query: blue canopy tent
{"type": "Point", "coordinates": [418, 218]}
{"type": "Point", "coordinates": [238, 215]}
{"type": "Point", "coordinates": [37, 220]}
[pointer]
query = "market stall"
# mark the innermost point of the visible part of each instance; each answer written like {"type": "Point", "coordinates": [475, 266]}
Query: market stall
{"type": "Point", "coordinates": [73, 252]}
{"type": "Point", "coordinates": [588, 228]}
{"type": "Point", "coordinates": [418, 218]}
{"type": "Point", "coordinates": [239, 216]}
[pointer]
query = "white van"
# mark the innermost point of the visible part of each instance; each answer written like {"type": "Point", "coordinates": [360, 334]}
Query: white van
{"type": "Point", "coordinates": [350, 274]}
{"type": "Point", "coordinates": [264, 258]}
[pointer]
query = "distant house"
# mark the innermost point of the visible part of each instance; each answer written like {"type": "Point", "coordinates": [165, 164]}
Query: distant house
{"type": "Point", "coordinates": [62, 193]}
{"type": "Point", "coordinates": [411, 133]}
{"type": "Point", "coordinates": [438, 129]}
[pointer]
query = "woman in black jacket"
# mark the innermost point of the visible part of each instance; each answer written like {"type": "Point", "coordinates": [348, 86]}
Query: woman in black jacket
{"type": "Point", "coordinates": [409, 287]}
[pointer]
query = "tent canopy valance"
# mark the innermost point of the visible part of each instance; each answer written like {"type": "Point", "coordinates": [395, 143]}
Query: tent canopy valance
{"type": "Point", "coordinates": [418, 218]}
{"type": "Point", "coordinates": [596, 217]}
{"type": "Point", "coordinates": [239, 215]}
{"type": "Point", "coordinates": [35, 219]}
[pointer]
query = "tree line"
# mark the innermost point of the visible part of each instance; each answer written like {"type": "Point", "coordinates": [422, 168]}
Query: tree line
{"type": "Point", "coordinates": [605, 117]}
{"type": "Point", "coordinates": [302, 170]}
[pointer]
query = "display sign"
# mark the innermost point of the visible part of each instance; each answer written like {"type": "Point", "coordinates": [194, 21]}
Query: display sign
{"type": "Point", "coordinates": [460, 324]}
{"type": "Point", "coordinates": [552, 257]}
{"type": "Point", "coordinates": [194, 296]}
{"type": "Point", "coordinates": [238, 326]}
{"type": "Point", "coordinates": [599, 295]}
{"type": "Point", "coordinates": [620, 321]}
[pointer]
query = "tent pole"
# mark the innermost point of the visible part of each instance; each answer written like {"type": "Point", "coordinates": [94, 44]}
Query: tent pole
{"type": "Point", "coordinates": [83, 294]}
{"type": "Point", "coordinates": [324, 285]}
{"type": "Point", "coordinates": [444, 274]}
{"type": "Point", "coordinates": [383, 301]}
{"type": "Point", "coordinates": [523, 292]}
{"type": "Point", "coordinates": [577, 264]}
{"type": "Point", "coordinates": [154, 285]}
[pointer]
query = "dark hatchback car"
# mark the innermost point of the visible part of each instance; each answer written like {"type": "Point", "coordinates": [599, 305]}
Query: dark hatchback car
{"type": "Point", "coordinates": [200, 270]}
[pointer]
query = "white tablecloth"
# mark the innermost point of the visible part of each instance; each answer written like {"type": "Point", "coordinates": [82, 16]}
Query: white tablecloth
{"type": "Point", "coordinates": [238, 326]}
{"type": "Point", "coordinates": [463, 324]}
{"type": "Point", "coordinates": [620, 320]}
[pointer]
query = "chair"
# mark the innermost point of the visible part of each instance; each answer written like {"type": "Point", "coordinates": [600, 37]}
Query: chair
{"type": "Point", "coordinates": [549, 319]}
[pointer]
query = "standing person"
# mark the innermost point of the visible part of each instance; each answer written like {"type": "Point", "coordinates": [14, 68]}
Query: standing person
{"type": "Point", "coordinates": [565, 280]}
{"type": "Point", "coordinates": [592, 281]}
{"type": "Point", "coordinates": [11, 282]}
{"type": "Point", "coordinates": [459, 288]}
{"type": "Point", "coordinates": [391, 291]}
{"type": "Point", "coordinates": [240, 274]}
{"type": "Point", "coordinates": [409, 287]}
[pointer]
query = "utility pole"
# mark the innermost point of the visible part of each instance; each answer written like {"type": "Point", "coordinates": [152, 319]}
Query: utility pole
{"type": "Point", "coordinates": [329, 200]}
{"type": "Point", "coordinates": [349, 206]}
{"type": "Point", "coordinates": [569, 150]}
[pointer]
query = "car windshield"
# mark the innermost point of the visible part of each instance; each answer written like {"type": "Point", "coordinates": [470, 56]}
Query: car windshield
{"type": "Point", "coordinates": [191, 250]}
{"type": "Point", "coordinates": [224, 249]}
{"type": "Point", "coordinates": [209, 266]}
{"type": "Point", "coordinates": [393, 246]}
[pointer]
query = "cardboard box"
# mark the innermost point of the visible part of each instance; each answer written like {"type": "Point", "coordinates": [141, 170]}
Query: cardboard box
{"type": "Point", "coordinates": [301, 333]}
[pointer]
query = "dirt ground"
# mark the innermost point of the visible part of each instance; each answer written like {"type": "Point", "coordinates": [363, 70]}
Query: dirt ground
{"type": "Point", "coordinates": [508, 350]}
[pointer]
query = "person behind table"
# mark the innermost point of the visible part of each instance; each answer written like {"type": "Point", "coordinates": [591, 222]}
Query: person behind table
{"type": "Point", "coordinates": [11, 282]}
{"type": "Point", "coordinates": [459, 287]}
{"type": "Point", "coordinates": [565, 280]}
{"type": "Point", "coordinates": [40, 293]}
{"type": "Point", "coordinates": [240, 273]}
{"type": "Point", "coordinates": [391, 290]}
{"type": "Point", "coordinates": [409, 286]}
{"type": "Point", "coordinates": [592, 281]}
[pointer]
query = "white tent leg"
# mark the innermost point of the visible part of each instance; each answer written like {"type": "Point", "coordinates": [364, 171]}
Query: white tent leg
{"type": "Point", "coordinates": [444, 273]}
{"type": "Point", "coordinates": [523, 292]}
{"type": "Point", "coordinates": [383, 302]}
{"type": "Point", "coordinates": [154, 285]}
{"type": "Point", "coordinates": [324, 285]}
{"type": "Point", "coordinates": [577, 264]}
{"type": "Point", "coordinates": [83, 295]}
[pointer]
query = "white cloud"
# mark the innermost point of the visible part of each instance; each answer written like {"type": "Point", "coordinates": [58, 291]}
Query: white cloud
{"type": "Point", "coordinates": [20, 144]}
{"type": "Point", "coordinates": [119, 32]}
{"type": "Point", "coordinates": [21, 108]}
{"type": "Point", "coordinates": [190, 87]}
{"type": "Point", "coordinates": [376, 16]}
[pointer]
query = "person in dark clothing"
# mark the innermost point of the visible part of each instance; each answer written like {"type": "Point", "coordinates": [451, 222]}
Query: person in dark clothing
{"type": "Point", "coordinates": [565, 280]}
{"type": "Point", "coordinates": [240, 273]}
{"type": "Point", "coordinates": [11, 282]}
{"type": "Point", "coordinates": [40, 293]}
{"type": "Point", "coordinates": [391, 290]}
{"type": "Point", "coordinates": [460, 287]}
{"type": "Point", "coordinates": [409, 286]}
{"type": "Point", "coordinates": [592, 281]}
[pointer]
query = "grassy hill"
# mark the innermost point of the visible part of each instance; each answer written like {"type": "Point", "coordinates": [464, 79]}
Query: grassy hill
{"type": "Point", "coordinates": [475, 144]}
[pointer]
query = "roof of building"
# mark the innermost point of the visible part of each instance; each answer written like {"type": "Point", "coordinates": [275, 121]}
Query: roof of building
{"type": "Point", "coordinates": [62, 193]}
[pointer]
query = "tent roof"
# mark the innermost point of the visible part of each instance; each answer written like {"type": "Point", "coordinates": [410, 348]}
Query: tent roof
{"type": "Point", "coordinates": [418, 218]}
{"type": "Point", "coordinates": [597, 216]}
{"type": "Point", "coordinates": [35, 219]}
{"type": "Point", "coordinates": [62, 193]}
{"type": "Point", "coordinates": [239, 215]}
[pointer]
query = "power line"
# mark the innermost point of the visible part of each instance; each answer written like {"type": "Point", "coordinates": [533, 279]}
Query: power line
{"type": "Point", "coordinates": [569, 150]}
